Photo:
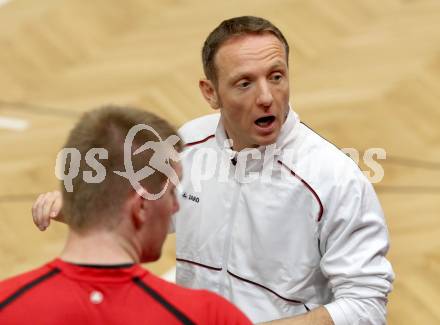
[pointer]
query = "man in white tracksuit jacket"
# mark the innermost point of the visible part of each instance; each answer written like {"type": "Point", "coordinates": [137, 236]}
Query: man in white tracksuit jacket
{"type": "Point", "coordinates": [312, 234]}
{"type": "Point", "coordinates": [288, 226]}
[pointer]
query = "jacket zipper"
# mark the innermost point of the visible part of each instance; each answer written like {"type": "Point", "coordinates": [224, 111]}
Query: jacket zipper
{"type": "Point", "coordinates": [228, 237]}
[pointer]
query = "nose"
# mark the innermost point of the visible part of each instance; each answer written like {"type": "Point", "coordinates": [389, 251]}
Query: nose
{"type": "Point", "coordinates": [265, 97]}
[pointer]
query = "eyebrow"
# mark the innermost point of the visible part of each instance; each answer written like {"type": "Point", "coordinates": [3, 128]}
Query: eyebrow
{"type": "Point", "coordinates": [279, 64]}
{"type": "Point", "coordinates": [236, 77]}
{"type": "Point", "coordinates": [276, 65]}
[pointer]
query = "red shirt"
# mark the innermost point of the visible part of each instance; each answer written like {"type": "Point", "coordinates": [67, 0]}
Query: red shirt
{"type": "Point", "coordinates": [65, 293]}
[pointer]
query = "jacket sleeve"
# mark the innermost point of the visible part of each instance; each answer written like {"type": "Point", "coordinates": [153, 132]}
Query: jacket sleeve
{"type": "Point", "coordinates": [354, 241]}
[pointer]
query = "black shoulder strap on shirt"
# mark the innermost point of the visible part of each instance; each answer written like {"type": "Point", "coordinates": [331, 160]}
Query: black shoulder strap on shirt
{"type": "Point", "coordinates": [22, 290]}
{"type": "Point", "coordinates": [156, 296]}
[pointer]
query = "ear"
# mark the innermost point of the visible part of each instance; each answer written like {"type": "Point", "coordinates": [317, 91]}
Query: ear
{"type": "Point", "coordinates": [209, 93]}
{"type": "Point", "coordinates": [140, 210]}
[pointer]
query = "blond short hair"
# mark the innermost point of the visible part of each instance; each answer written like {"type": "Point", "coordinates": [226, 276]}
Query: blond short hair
{"type": "Point", "coordinates": [90, 205]}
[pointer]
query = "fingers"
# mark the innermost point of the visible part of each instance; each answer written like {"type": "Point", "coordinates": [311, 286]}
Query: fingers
{"type": "Point", "coordinates": [35, 209]}
{"type": "Point", "coordinates": [49, 210]}
{"type": "Point", "coordinates": [57, 205]}
{"type": "Point", "coordinates": [46, 206]}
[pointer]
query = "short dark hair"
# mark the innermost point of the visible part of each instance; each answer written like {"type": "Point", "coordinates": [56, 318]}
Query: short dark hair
{"type": "Point", "coordinates": [90, 205]}
{"type": "Point", "coordinates": [235, 27]}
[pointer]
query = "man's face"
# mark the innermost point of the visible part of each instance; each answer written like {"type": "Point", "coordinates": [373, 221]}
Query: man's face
{"type": "Point", "coordinates": [253, 88]}
{"type": "Point", "coordinates": [158, 225]}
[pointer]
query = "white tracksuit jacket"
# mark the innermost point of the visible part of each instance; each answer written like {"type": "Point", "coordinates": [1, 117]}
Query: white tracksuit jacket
{"type": "Point", "coordinates": [310, 232]}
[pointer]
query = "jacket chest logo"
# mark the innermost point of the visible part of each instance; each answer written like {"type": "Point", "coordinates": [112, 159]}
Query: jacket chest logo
{"type": "Point", "coordinates": [191, 197]}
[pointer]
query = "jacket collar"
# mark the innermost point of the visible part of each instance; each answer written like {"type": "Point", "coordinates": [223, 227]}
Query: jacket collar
{"type": "Point", "coordinates": [287, 137]}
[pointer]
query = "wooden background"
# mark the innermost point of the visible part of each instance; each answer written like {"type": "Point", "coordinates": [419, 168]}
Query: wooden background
{"type": "Point", "coordinates": [364, 74]}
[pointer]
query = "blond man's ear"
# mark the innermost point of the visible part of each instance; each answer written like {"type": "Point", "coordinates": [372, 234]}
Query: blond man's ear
{"type": "Point", "coordinates": [140, 209]}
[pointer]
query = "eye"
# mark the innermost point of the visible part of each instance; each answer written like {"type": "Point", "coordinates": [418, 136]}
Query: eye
{"type": "Point", "coordinates": [277, 76]}
{"type": "Point", "coordinates": [244, 84]}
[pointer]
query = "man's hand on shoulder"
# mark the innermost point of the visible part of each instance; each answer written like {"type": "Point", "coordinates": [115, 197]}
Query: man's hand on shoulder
{"type": "Point", "coordinates": [46, 207]}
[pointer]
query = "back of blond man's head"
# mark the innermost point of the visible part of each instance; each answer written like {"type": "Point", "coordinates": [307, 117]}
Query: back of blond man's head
{"type": "Point", "coordinates": [91, 205]}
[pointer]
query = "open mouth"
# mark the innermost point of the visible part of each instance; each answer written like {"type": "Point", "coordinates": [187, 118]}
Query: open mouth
{"type": "Point", "coordinates": [265, 121]}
